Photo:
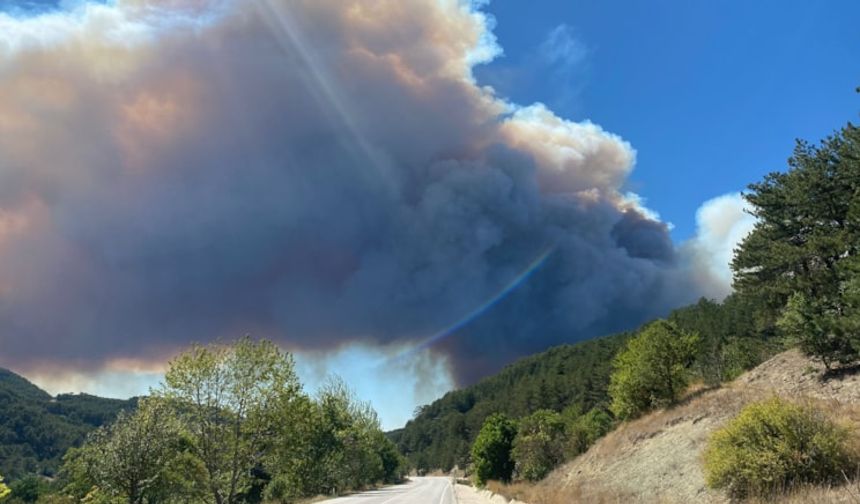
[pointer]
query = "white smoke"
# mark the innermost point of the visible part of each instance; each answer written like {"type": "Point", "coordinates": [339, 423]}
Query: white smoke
{"type": "Point", "coordinates": [722, 223]}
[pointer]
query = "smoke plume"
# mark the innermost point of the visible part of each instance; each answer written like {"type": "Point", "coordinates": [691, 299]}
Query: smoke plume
{"type": "Point", "coordinates": [319, 172]}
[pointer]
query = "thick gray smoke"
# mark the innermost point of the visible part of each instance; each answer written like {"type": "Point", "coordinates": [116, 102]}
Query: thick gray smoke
{"type": "Point", "coordinates": [318, 172]}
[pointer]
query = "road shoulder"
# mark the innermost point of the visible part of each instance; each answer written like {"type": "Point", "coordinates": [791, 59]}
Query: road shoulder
{"type": "Point", "coordinates": [469, 495]}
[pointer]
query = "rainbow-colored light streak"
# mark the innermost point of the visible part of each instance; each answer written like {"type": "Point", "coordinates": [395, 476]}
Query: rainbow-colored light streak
{"type": "Point", "coordinates": [518, 280]}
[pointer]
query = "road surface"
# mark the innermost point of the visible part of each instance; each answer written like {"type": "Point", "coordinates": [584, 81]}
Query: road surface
{"type": "Point", "coordinates": [426, 490]}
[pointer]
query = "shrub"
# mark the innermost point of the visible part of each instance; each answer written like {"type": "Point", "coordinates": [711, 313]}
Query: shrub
{"type": "Point", "coordinates": [491, 453]}
{"type": "Point", "coordinates": [774, 445]}
{"type": "Point", "coordinates": [539, 445]}
{"type": "Point", "coordinates": [582, 431]}
{"type": "Point", "coordinates": [652, 370]}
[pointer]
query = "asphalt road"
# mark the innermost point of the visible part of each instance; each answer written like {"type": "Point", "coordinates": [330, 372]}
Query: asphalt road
{"type": "Point", "coordinates": [426, 490]}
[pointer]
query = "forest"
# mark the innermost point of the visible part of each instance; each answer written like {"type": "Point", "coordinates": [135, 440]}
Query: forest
{"type": "Point", "coordinates": [37, 429]}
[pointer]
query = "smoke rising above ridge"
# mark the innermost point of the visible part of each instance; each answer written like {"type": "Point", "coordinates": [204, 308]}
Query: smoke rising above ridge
{"type": "Point", "coordinates": [318, 172]}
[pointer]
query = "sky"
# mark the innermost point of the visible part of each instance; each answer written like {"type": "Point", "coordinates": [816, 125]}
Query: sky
{"type": "Point", "coordinates": [711, 94]}
{"type": "Point", "coordinates": [408, 194]}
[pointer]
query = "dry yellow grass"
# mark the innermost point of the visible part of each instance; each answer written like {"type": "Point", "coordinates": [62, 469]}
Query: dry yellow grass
{"type": "Point", "coordinates": [534, 494]}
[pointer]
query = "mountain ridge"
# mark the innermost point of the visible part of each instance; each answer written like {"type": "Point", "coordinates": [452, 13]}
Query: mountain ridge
{"type": "Point", "coordinates": [36, 428]}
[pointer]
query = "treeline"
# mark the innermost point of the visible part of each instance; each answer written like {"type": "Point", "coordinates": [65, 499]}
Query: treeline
{"type": "Point", "coordinates": [796, 285]}
{"type": "Point", "coordinates": [230, 424]}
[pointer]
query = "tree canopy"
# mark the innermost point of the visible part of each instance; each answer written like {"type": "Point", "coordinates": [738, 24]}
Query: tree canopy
{"type": "Point", "coordinates": [800, 260]}
{"type": "Point", "coordinates": [232, 424]}
{"type": "Point", "coordinates": [539, 445]}
{"type": "Point", "coordinates": [491, 453]}
{"type": "Point", "coordinates": [652, 370]}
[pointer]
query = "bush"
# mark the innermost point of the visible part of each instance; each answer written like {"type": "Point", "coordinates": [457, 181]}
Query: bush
{"type": "Point", "coordinates": [539, 445]}
{"type": "Point", "coordinates": [774, 445]}
{"type": "Point", "coordinates": [491, 453]}
{"type": "Point", "coordinates": [582, 431]}
{"type": "Point", "coordinates": [652, 370]}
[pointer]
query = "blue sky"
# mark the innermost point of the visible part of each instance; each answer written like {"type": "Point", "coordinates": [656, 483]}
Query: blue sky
{"type": "Point", "coordinates": [710, 94]}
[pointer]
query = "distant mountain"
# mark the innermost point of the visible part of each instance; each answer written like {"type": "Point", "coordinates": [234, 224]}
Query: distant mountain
{"type": "Point", "coordinates": [441, 434]}
{"type": "Point", "coordinates": [36, 429]}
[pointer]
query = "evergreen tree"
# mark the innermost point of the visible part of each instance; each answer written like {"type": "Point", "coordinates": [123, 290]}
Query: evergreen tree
{"type": "Point", "coordinates": [808, 232]}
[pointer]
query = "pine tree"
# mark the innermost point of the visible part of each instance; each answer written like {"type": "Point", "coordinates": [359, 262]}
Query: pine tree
{"type": "Point", "coordinates": [808, 231]}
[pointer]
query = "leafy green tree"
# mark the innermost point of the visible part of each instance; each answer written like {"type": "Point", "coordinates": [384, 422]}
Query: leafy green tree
{"type": "Point", "coordinates": [808, 229]}
{"type": "Point", "coordinates": [75, 475]}
{"type": "Point", "coordinates": [227, 398]}
{"type": "Point", "coordinates": [393, 463]}
{"type": "Point", "coordinates": [336, 445]}
{"type": "Point", "coordinates": [293, 459]}
{"type": "Point", "coordinates": [652, 370]}
{"type": "Point", "coordinates": [539, 445]}
{"type": "Point", "coordinates": [491, 453]}
{"type": "Point", "coordinates": [130, 458]}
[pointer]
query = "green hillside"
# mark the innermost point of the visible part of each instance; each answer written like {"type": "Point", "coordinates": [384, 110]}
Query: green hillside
{"type": "Point", "coordinates": [576, 376]}
{"type": "Point", "coordinates": [36, 429]}
{"type": "Point", "coordinates": [441, 434]}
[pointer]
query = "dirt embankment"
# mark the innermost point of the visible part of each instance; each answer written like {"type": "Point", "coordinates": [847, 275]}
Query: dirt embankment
{"type": "Point", "coordinates": [657, 458]}
{"type": "Point", "coordinates": [469, 495]}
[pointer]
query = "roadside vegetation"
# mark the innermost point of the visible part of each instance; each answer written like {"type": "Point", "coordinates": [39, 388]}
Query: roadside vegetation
{"type": "Point", "coordinates": [230, 424]}
{"type": "Point", "coordinates": [774, 445]}
{"type": "Point", "coordinates": [491, 453]}
{"type": "Point", "coordinates": [653, 369]}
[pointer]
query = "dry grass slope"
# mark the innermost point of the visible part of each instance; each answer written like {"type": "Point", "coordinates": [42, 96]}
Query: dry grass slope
{"type": "Point", "coordinates": [657, 458]}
